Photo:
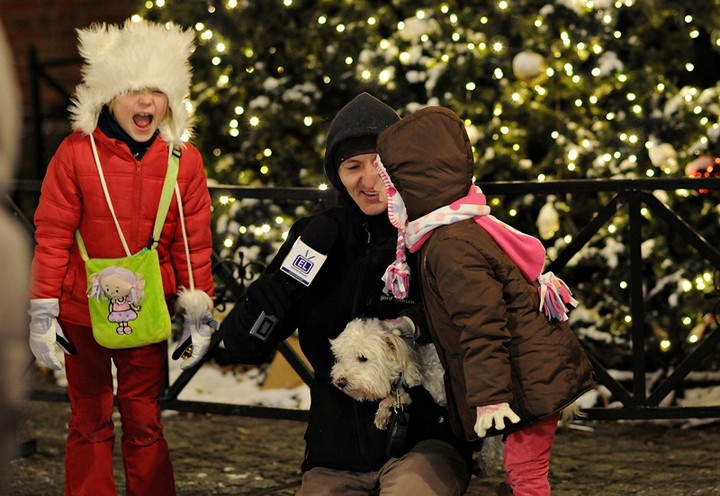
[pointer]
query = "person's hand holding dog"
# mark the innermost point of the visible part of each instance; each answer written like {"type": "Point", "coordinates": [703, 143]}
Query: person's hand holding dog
{"type": "Point", "coordinates": [401, 326]}
{"type": "Point", "coordinates": [490, 415]}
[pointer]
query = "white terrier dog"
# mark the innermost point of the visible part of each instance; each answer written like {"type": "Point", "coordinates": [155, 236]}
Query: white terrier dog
{"type": "Point", "coordinates": [373, 361]}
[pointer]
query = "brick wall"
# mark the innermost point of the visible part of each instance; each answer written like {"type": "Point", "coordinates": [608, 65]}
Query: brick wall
{"type": "Point", "coordinates": [49, 26]}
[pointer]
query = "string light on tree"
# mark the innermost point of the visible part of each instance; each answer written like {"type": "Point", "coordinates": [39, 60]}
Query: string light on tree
{"type": "Point", "coordinates": [599, 71]}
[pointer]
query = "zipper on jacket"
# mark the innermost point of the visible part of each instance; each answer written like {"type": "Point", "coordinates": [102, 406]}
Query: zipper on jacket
{"type": "Point", "coordinates": [358, 299]}
{"type": "Point", "coordinates": [138, 199]}
{"type": "Point", "coordinates": [362, 437]}
{"type": "Point", "coordinates": [357, 305]}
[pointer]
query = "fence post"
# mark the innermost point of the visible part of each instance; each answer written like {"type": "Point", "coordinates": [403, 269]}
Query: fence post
{"type": "Point", "coordinates": [34, 74]}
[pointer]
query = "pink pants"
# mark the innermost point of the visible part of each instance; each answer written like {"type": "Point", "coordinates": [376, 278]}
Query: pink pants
{"type": "Point", "coordinates": [527, 458]}
{"type": "Point", "coordinates": [141, 376]}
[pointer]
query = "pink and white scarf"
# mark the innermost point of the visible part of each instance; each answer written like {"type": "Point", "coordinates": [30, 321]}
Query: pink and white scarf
{"type": "Point", "coordinates": [526, 251]}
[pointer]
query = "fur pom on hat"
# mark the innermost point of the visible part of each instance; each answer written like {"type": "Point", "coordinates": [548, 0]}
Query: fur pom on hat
{"type": "Point", "coordinates": [136, 56]}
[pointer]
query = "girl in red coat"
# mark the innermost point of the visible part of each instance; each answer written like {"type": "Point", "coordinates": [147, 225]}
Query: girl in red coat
{"type": "Point", "coordinates": [512, 362]}
{"type": "Point", "coordinates": [127, 114]}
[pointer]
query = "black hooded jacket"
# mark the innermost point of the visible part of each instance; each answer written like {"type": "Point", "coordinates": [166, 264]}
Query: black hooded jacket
{"type": "Point", "coordinates": [340, 432]}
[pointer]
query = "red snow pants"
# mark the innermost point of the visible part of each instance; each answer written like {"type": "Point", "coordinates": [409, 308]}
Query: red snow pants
{"type": "Point", "coordinates": [141, 376]}
{"type": "Point", "coordinates": [527, 458]}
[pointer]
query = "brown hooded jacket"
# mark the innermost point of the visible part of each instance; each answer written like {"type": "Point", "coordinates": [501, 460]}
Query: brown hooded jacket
{"type": "Point", "coordinates": [494, 342]}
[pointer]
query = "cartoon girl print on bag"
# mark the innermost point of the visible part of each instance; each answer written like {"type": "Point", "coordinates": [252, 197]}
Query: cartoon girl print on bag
{"type": "Point", "coordinates": [124, 290]}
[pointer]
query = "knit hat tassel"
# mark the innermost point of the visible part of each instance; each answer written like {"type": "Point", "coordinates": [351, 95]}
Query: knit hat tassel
{"type": "Point", "coordinates": [555, 296]}
{"type": "Point", "coordinates": [397, 275]}
{"type": "Point", "coordinates": [397, 280]}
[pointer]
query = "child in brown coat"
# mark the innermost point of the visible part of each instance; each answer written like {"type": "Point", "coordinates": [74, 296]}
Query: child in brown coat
{"type": "Point", "coordinates": [512, 363]}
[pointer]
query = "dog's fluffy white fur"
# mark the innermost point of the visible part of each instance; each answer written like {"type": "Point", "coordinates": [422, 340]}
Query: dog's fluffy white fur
{"type": "Point", "coordinates": [371, 356]}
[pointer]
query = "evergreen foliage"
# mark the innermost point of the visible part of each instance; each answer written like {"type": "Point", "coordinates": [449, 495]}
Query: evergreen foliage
{"type": "Point", "coordinates": [553, 89]}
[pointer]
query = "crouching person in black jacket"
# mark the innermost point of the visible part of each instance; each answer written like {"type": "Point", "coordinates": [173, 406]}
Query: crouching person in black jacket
{"type": "Point", "coordinates": [345, 453]}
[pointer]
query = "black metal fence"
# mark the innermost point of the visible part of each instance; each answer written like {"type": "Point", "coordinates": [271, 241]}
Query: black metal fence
{"type": "Point", "coordinates": [638, 401]}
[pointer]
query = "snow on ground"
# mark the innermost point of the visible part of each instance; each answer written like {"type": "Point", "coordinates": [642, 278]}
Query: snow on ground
{"type": "Point", "coordinates": [214, 384]}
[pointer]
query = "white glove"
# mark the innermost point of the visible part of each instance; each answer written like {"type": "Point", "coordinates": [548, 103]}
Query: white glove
{"type": "Point", "coordinates": [196, 307]}
{"type": "Point", "coordinates": [494, 414]}
{"type": "Point", "coordinates": [195, 340]}
{"type": "Point", "coordinates": [402, 326]}
{"type": "Point", "coordinates": [45, 332]}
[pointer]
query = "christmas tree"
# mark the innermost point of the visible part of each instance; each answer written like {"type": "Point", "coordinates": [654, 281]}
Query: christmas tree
{"type": "Point", "coordinates": [555, 89]}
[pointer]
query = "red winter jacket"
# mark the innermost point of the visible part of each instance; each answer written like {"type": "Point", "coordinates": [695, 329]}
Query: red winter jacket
{"type": "Point", "coordinates": [72, 197]}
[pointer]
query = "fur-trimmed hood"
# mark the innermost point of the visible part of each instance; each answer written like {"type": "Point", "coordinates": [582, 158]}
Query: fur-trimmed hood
{"type": "Point", "coordinates": [135, 56]}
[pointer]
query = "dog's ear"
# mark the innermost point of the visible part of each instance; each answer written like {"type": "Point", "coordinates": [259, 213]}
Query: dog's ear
{"type": "Point", "coordinates": [406, 357]}
{"type": "Point", "coordinates": [390, 343]}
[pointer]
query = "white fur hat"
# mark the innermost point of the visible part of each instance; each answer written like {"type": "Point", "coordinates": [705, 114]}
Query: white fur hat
{"type": "Point", "coordinates": [135, 56]}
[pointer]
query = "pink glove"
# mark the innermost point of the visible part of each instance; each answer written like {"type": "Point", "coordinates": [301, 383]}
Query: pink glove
{"type": "Point", "coordinates": [494, 414]}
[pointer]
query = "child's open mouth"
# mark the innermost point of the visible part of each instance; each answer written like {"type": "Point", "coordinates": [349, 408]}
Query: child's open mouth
{"type": "Point", "coordinates": [142, 121]}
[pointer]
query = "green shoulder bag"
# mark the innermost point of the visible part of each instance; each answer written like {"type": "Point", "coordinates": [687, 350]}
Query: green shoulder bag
{"type": "Point", "coordinates": [125, 295]}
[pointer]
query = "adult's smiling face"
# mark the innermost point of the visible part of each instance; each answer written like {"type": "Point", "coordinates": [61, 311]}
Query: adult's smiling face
{"type": "Point", "coordinates": [363, 183]}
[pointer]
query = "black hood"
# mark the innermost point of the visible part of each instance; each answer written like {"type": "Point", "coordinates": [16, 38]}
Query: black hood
{"type": "Point", "coordinates": [363, 118]}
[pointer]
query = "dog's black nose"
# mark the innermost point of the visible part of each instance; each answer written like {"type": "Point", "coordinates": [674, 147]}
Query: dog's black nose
{"type": "Point", "coordinates": [341, 383]}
